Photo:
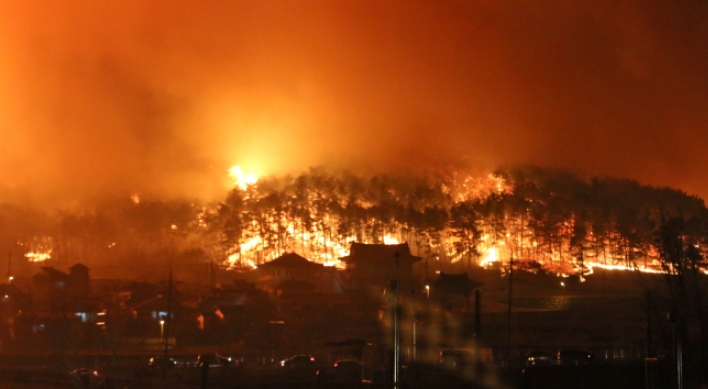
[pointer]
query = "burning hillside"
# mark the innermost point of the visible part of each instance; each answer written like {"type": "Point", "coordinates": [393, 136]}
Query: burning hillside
{"type": "Point", "coordinates": [539, 220]}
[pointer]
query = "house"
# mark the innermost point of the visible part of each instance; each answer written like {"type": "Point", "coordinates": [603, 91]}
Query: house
{"type": "Point", "coordinates": [61, 300]}
{"type": "Point", "coordinates": [155, 314]}
{"type": "Point", "coordinates": [454, 289]}
{"type": "Point", "coordinates": [231, 311]}
{"type": "Point", "coordinates": [377, 264]}
{"type": "Point", "coordinates": [54, 288]}
{"type": "Point", "coordinates": [291, 269]}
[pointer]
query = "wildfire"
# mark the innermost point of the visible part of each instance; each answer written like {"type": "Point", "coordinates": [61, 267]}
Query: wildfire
{"type": "Point", "coordinates": [492, 233]}
{"type": "Point", "coordinates": [390, 239]}
{"type": "Point", "coordinates": [40, 249]}
{"type": "Point", "coordinates": [241, 179]}
{"type": "Point", "coordinates": [643, 269]}
{"type": "Point", "coordinates": [251, 244]}
{"type": "Point", "coordinates": [39, 257]}
{"type": "Point", "coordinates": [237, 258]}
{"type": "Point", "coordinates": [490, 258]}
{"type": "Point", "coordinates": [479, 188]}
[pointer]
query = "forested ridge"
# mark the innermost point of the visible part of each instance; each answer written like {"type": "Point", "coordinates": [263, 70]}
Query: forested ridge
{"type": "Point", "coordinates": [539, 218]}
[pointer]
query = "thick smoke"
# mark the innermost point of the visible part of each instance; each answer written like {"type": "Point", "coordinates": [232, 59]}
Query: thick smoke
{"type": "Point", "coordinates": [162, 97]}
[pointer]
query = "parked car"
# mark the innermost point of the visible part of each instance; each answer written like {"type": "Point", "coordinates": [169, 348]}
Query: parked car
{"type": "Point", "coordinates": [575, 357]}
{"type": "Point", "coordinates": [540, 358]}
{"type": "Point", "coordinates": [161, 363]}
{"type": "Point", "coordinates": [298, 362]}
{"type": "Point", "coordinates": [228, 361]}
{"type": "Point", "coordinates": [83, 376]}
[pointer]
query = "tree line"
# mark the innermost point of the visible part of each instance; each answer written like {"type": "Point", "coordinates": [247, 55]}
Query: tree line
{"type": "Point", "coordinates": [541, 219]}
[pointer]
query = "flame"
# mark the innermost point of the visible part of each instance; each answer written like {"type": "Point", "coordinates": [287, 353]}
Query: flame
{"type": "Point", "coordinates": [39, 257]}
{"type": "Point", "coordinates": [241, 179]}
{"type": "Point", "coordinates": [233, 259]}
{"type": "Point", "coordinates": [643, 269]}
{"type": "Point", "coordinates": [469, 187]}
{"type": "Point", "coordinates": [389, 239]}
{"type": "Point", "coordinates": [490, 258]}
{"type": "Point", "coordinates": [251, 244]}
{"type": "Point", "coordinates": [242, 258]}
{"type": "Point", "coordinates": [40, 249]}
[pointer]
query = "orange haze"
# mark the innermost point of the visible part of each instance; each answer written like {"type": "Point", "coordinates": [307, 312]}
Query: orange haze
{"type": "Point", "coordinates": [162, 97]}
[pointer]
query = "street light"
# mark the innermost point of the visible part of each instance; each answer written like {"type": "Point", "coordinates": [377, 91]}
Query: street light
{"type": "Point", "coordinates": [427, 291]}
{"type": "Point", "coordinates": [162, 329]}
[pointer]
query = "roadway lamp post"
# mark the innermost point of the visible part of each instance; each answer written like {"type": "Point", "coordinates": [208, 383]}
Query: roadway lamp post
{"type": "Point", "coordinates": [396, 335]}
{"type": "Point", "coordinates": [508, 314]}
{"type": "Point", "coordinates": [162, 330]}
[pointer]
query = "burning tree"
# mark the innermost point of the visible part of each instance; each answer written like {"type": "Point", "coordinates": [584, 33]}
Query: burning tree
{"type": "Point", "coordinates": [535, 216]}
{"type": "Point", "coordinates": [541, 219]}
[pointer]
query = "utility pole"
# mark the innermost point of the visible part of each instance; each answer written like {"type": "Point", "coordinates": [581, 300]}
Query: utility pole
{"type": "Point", "coordinates": [478, 325]}
{"type": "Point", "coordinates": [677, 320]}
{"type": "Point", "coordinates": [650, 362]}
{"type": "Point", "coordinates": [417, 318]}
{"type": "Point", "coordinates": [168, 322]}
{"type": "Point", "coordinates": [396, 336]}
{"type": "Point", "coordinates": [508, 319]}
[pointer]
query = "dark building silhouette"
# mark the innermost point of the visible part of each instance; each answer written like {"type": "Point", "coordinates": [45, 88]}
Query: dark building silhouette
{"type": "Point", "coordinates": [292, 269]}
{"type": "Point", "coordinates": [453, 288]}
{"type": "Point", "coordinates": [52, 285]}
{"type": "Point", "coordinates": [375, 264]}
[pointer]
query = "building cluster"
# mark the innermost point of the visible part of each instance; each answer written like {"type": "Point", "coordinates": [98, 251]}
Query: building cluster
{"type": "Point", "coordinates": [289, 303]}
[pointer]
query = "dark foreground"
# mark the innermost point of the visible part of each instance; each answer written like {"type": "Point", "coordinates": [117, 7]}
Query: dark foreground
{"type": "Point", "coordinates": [604, 376]}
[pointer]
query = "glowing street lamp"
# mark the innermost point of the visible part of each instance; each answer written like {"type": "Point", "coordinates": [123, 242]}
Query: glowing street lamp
{"type": "Point", "coordinates": [162, 329]}
{"type": "Point", "coordinates": [427, 291]}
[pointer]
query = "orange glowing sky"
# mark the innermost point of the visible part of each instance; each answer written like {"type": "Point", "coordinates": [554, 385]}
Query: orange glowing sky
{"type": "Point", "coordinates": [163, 97]}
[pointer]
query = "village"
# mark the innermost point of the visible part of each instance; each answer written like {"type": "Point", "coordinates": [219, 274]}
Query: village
{"type": "Point", "coordinates": [291, 306]}
{"type": "Point", "coordinates": [260, 309]}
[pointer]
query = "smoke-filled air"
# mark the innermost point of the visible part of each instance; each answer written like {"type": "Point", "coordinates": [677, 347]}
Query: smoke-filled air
{"type": "Point", "coordinates": [122, 124]}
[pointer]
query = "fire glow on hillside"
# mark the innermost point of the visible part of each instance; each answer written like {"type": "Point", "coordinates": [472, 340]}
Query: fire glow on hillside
{"type": "Point", "coordinates": [40, 249]}
{"type": "Point", "coordinates": [457, 222]}
{"type": "Point", "coordinates": [541, 220]}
